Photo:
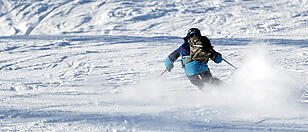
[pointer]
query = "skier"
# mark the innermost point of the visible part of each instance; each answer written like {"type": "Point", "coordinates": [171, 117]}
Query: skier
{"type": "Point", "coordinates": [196, 68]}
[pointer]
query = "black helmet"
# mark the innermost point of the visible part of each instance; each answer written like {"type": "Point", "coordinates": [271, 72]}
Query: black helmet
{"type": "Point", "coordinates": [193, 31]}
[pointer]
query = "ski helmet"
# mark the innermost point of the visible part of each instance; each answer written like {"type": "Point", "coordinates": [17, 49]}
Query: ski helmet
{"type": "Point", "coordinates": [193, 31]}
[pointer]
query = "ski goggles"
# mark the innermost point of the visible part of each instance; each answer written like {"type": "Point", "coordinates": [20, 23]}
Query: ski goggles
{"type": "Point", "coordinates": [191, 33]}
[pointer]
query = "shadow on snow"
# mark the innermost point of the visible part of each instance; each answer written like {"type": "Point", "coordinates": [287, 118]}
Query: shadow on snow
{"type": "Point", "coordinates": [146, 121]}
{"type": "Point", "coordinates": [119, 39]}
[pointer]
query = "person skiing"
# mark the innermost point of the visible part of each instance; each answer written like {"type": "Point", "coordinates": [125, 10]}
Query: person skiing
{"type": "Point", "coordinates": [195, 53]}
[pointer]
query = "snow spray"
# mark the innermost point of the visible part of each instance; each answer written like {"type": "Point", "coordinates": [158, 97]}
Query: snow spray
{"type": "Point", "coordinates": [258, 87]}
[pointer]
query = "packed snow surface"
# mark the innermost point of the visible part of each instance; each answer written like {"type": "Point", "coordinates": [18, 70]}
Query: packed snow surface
{"type": "Point", "coordinates": [88, 65]}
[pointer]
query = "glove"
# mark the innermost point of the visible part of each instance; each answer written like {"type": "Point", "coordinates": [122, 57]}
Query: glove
{"type": "Point", "coordinates": [216, 57]}
{"type": "Point", "coordinates": [168, 64]}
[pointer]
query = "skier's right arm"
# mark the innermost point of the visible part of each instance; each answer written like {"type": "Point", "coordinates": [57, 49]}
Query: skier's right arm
{"type": "Point", "coordinates": [216, 56]}
{"type": "Point", "coordinates": [172, 58]}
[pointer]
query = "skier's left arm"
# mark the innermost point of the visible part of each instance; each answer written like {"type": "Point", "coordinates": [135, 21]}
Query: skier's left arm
{"type": "Point", "coordinates": [172, 58]}
{"type": "Point", "coordinates": [216, 57]}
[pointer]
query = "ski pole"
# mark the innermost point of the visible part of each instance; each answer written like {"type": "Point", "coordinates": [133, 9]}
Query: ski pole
{"type": "Point", "coordinates": [229, 63]}
{"type": "Point", "coordinates": [163, 72]}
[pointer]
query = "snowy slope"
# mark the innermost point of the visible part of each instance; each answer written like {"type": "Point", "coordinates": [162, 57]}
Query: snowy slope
{"type": "Point", "coordinates": [219, 18]}
{"type": "Point", "coordinates": [93, 66]}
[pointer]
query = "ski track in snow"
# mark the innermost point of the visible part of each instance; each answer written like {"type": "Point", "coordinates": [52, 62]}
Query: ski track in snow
{"type": "Point", "coordinates": [93, 66]}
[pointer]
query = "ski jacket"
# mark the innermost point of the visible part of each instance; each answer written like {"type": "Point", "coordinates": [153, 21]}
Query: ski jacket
{"type": "Point", "coordinates": [193, 67]}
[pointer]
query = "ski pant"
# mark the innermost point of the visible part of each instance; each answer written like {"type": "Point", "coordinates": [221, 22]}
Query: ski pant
{"type": "Point", "coordinates": [206, 77]}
